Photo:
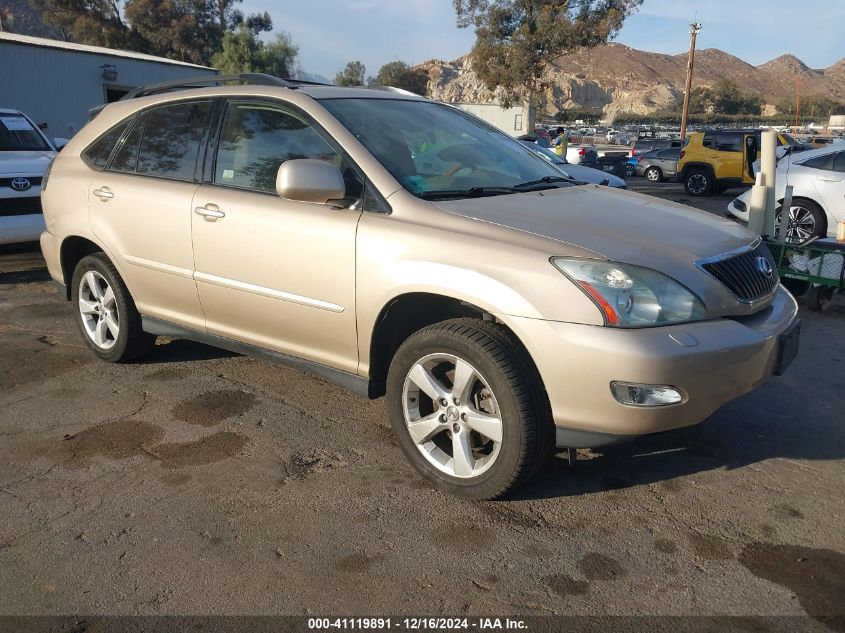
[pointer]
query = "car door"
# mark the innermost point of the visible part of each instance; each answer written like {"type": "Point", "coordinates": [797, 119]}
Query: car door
{"type": "Point", "coordinates": [274, 273]}
{"type": "Point", "coordinates": [830, 183]}
{"type": "Point", "coordinates": [140, 208]}
{"type": "Point", "coordinates": [669, 161]}
{"type": "Point", "coordinates": [729, 155]}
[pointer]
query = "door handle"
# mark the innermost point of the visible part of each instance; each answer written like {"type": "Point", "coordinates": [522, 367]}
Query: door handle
{"type": "Point", "coordinates": [828, 179]}
{"type": "Point", "coordinates": [103, 193]}
{"type": "Point", "coordinates": [210, 212]}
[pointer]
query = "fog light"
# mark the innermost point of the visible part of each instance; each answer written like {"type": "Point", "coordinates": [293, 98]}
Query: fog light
{"type": "Point", "coordinates": [645, 395]}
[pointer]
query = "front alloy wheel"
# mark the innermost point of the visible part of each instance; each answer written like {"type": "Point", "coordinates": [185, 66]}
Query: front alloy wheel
{"type": "Point", "coordinates": [452, 415]}
{"type": "Point", "coordinates": [468, 408]}
{"type": "Point", "coordinates": [802, 222]}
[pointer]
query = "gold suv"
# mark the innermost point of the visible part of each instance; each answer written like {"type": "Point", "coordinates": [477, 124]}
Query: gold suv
{"type": "Point", "coordinates": [402, 247]}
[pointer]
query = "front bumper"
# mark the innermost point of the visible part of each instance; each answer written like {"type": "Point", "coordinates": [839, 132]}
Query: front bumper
{"type": "Point", "coordinates": [21, 228]}
{"type": "Point", "coordinates": [712, 362]}
{"type": "Point", "coordinates": [736, 210]}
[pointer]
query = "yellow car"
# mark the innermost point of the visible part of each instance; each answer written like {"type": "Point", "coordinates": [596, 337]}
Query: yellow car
{"type": "Point", "coordinates": [716, 160]}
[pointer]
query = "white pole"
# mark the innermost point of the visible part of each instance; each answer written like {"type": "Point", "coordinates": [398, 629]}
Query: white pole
{"type": "Point", "coordinates": [757, 205]}
{"type": "Point", "coordinates": [768, 166]}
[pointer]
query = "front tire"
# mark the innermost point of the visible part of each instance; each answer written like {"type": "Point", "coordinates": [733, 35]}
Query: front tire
{"type": "Point", "coordinates": [698, 183]}
{"type": "Point", "coordinates": [468, 408]}
{"type": "Point", "coordinates": [105, 312]}
{"type": "Point", "coordinates": [806, 220]}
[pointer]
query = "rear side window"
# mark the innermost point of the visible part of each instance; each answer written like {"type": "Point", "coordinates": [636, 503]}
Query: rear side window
{"type": "Point", "coordinates": [729, 142]}
{"type": "Point", "coordinates": [709, 140]}
{"type": "Point", "coordinates": [97, 154]}
{"type": "Point", "coordinates": [839, 162]}
{"type": "Point", "coordinates": [171, 140]}
{"type": "Point", "coordinates": [126, 156]}
{"type": "Point", "coordinates": [819, 162]}
{"type": "Point", "coordinates": [673, 153]}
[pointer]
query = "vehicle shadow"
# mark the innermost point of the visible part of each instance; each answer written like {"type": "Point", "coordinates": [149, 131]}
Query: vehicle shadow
{"type": "Point", "coordinates": [180, 350]}
{"type": "Point", "coordinates": [36, 275]}
{"type": "Point", "coordinates": [738, 435]}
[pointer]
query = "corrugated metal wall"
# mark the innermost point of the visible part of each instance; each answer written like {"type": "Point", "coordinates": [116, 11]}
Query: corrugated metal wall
{"type": "Point", "coordinates": [57, 87]}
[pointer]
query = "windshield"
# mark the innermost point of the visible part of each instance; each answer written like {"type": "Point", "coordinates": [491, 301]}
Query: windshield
{"type": "Point", "coordinates": [17, 134]}
{"type": "Point", "coordinates": [436, 149]}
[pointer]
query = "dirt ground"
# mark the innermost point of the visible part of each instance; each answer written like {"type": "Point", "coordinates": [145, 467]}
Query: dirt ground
{"type": "Point", "coordinates": [200, 482]}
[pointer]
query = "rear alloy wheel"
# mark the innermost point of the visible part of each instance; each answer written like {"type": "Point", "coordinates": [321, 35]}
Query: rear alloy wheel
{"type": "Point", "coordinates": [630, 170]}
{"type": "Point", "coordinates": [806, 220]}
{"type": "Point", "coordinates": [105, 312]}
{"type": "Point", "coordinates": [698, 183]}
{"type": "Point", "coordinates": [468, 408]}
{"type": "Point", "coordinates": [652, 174]}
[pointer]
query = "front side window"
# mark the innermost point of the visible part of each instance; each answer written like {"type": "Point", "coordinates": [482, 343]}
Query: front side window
{"type": "Point", "coordinates": [257, 138]}
{"type": "Point", "coordinates": [171, 140]}
{"type": "Point", "coordinates": [435, 150]}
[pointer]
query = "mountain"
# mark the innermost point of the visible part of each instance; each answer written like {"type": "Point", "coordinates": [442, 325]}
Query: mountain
{"type": "Point", "coordinates": [618, 78]}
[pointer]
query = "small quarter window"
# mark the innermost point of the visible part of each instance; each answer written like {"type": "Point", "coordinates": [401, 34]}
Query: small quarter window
{"type": "Point", "coordinates": [97, 154]}
{"type": "Point", "coordinates": [126, 156]}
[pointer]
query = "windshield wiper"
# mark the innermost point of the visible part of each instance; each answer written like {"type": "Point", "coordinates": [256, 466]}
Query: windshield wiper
{"type": "Point", "coordinates": [472, 192]}
{"type": "Point", "coordinates": [542, 181]}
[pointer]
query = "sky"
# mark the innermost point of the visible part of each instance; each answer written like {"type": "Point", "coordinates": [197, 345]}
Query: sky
{"type": "Point", "coordinates": [330, 33]}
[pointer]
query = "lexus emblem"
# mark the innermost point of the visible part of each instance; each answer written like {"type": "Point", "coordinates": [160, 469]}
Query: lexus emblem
{"type": "Point", "coordinates": [765, 267]}
{"type": "Point", "coordinates": [21, 184]}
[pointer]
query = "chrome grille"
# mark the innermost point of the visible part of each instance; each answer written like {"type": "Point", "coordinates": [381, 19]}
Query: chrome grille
{"type": "Point", "coordinates": [740, 273]}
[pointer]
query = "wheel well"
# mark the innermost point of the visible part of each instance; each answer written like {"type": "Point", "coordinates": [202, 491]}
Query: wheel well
{"type": "Point", "coordinates": [73, 249]}
{"type": "Point", "coordinates": [702, 166]}
{"type": "Point", "coordinates": [403, 316]}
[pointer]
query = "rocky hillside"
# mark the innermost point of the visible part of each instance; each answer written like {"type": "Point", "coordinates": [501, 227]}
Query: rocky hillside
{"type": "Point", "coordinates": [618, 78]}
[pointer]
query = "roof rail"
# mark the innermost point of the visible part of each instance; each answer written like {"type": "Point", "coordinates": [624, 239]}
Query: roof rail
{"type": "Point", "coordinates": [400, 91]}
{"type": "Point", "coordinates": [255, 79]}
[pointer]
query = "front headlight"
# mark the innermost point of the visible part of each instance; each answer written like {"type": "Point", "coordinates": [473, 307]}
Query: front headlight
{"type": "Point", "coordinates": [631, 296]}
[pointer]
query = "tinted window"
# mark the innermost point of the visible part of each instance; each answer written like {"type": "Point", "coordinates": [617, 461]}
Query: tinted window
{"type": "Point", "coordinates": [819, 162]}
{"type": "Point", "coordinates": [17, 133]}
{"type": "Point", "coordinates": [673, 153]}
{"type": "Point", "coordinates": [99, 151]}
{"type": "Point", "coordinates": [257, 138]}
{"type": "Point", "coordinates": [709, 140]}
{"type": "Point", "coordinates": [839, 162]}
{"type": "Point", "coordinates": [729, 142]}
{"type": "Point", "coordinates": [171, 140]}
{"type": "Point", "coordinates": [127, 154]}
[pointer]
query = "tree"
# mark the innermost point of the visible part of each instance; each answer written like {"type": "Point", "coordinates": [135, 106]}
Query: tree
{"type": "Point", "coordinates": [351, 75]}
{"type": "Point", "coordinates": [243, 52]}
{"type": "Point", "coordinates": [177, 29]}
{"type": "Point", "coordinates": [96, 22]}
{"type": "Point", "coordinates": [400, 75]}
{"type": "Point", "coordinates": [517, 40]}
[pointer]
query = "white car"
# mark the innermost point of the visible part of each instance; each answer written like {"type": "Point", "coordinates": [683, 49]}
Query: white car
{"type": "Point", "coordinates": [818, 195]}
{"type": "Point", "coordinates": [25, 154]}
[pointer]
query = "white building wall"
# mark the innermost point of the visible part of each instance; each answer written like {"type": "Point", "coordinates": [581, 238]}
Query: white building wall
{"type": "Point", "coordinates": [513, 121]}
{"type": "Point", "coordinates": [58, 86]}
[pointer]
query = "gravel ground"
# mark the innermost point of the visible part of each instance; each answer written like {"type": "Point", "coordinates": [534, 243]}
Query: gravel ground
{"type": "Point", "coordinates": [199, 482]}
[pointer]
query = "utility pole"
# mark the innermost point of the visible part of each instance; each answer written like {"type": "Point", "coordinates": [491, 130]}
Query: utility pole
{"type": "Point", "coordinates": [798, 81]}
{"type": "Point", "coordinates": [694, 28]}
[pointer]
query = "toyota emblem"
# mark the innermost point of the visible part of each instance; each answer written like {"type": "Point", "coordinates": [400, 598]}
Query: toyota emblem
{"type": "Point", "coordinates": [765, 267]}
{"type": "Point", "coordinates": [21, 184]}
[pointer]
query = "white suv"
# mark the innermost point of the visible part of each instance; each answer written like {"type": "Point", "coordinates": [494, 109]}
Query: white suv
{"type": "Point", "coordinates": [25, 154]}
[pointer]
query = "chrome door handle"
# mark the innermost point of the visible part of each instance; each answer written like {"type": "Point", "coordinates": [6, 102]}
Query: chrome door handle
{"type": "Point", "coordinates": [210, 212]}
{"type": "Point", "coordinates": [103, 193]}
{"type": "Point", "coordinates": [828, 179]}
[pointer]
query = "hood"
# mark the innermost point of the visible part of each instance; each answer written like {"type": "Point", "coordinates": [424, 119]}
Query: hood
{"type": "Point", "coordinates": [621, 226]}
{"type": "Point", "coordinates": [31, 163]}
{"type": "Point", "coordinates": [590, 175]}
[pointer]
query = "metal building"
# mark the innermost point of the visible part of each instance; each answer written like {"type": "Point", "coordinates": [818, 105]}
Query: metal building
{"type": "Point", "coordinates": [56, 82]}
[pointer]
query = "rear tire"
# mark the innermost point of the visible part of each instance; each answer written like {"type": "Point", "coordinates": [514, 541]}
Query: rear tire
{"type": "Point", "coordinates": [503, 385]}
{"type": "Point", "coordinates": [105, 312]}
{"type": "Point", "coordinates": [652, 174]}
{"type": "Point", "coordinates": [698, 182]}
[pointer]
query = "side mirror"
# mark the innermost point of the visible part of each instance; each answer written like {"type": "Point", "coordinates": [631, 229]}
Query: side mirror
{"type": "Point", "coordinates": [309, 180]}
{"type": "Point", "coordinates": [60, 143]}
